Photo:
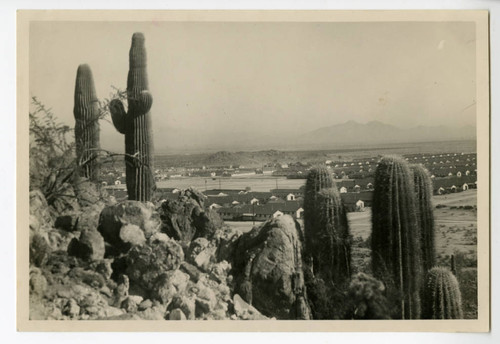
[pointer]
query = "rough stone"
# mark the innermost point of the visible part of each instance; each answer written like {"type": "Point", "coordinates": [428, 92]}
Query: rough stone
{"type": "Point", "coordinates": [39, 209]}
{"type": "Point", "coordinates": [268, 267]}
{"type": "Point", "coordinates": [145, 305]}
{"type": "Point", "coordinates": [39, 250]}
{"type": "Point", "coordinates": [146, 263]}
{"type": "Point", "coordinates": [245, 311]}
{"type": "Point", "coordinates": [71, 309]}
{"type": "Point", "coordinates": [226, 239]}
{"type": "Point", "coordinates": [38, 282]}
{"type": "Point", "coordinates": [129, 305]}
{"type": "Point", "coordinates": [66, 222]}
{"type": "Point", "coordinates": [201, 253]}
{"type": "Point", "coordinates": [193, 272]}
{"type": "Point", "coordinates": [104, 268]}
{"type": "Point", "coordinates": [186, 219]}
{"type": "Point", "coordinates": [90, 246]}
{"type": "Point", "coordinates": [132, 234]}
{"type": "Point", "coordinates": [113, 218]}
{"type": "Point", "coordinates": [176, 314]}
{"type": "Point", "coordinates": [169, 284]}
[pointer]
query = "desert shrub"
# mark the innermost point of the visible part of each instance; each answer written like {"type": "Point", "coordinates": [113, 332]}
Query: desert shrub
{"type": "Point", "coordinates": [366, 298]}
{"type": "Point", "coordinates": [52, 161]}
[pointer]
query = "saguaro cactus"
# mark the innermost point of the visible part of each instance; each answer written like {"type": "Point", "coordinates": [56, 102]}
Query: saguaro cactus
{"type": "Point", "coordinates": [86, 112]}
{"type": "Point", "coordinates": [441, 297]}
{"type": "Point", "coordinates": [332, 243]}
{"type": "Point", "coordinates": [135, 124]}
{"type": "Point", "coordinates": [396, 253]}
{"type": "Point", "coordinates": [425, 215]}
{"type": "Point", "coordinates": [318, 178]}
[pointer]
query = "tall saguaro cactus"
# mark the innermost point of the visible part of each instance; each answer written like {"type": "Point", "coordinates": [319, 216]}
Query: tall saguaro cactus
{"type": "Point", "coordinates": [425, 214]}
{"type": "Point", "coordinates": [86, 112]}
{"type": "Point", "coordinates": [318, 178]}
{"type": "Point", "coordinates": [396, 253]}
{"type": "Point", "coordinates": [135, 124]}
{"type": "Point", "coordinates": [441, 297]}
{"type": "Point", "coordinates": [332, 244]}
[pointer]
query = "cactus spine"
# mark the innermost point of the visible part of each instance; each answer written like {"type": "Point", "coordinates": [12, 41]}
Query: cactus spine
{"type": "Point", "coordinates": [425, 215]}
{"type": "Point", "coordinates": [332, 241]}
{"type": "Point", "coordinates": [86, 112]}
{"type": "Point", "coordinates": [318, 178]}
{"type": "Point", "coordinates": [135, 124]}
{"type": "Point", "coordinates": [396, 253]}
{"type": "Point", "coordinates": [441, 296]}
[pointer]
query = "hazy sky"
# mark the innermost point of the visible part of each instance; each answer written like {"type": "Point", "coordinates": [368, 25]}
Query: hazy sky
{"type": "Point", "coordinates": [215, 77]}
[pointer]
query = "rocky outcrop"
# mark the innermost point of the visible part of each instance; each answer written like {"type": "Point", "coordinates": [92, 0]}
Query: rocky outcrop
{"type": "Point", "coordinates": [147, 263]}
{"type": "Point", "coordinates": [268, 269]}
{"type": "Point", "coordinates": [90, 246]}
{"type": "Point", "coordinates": [40, 215]}
{"type": "Point", "coordinates": [115, 225]}
{"type": "Point", "coordinates": [112, 261]}
{"type": "Point", "coordinates": [186, 219]}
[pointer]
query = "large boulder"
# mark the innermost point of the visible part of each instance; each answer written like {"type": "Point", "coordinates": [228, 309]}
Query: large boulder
{"type": "Point", "coordinates": [267, 267]}
{"type": "Point", "coordinates": [115, 224]}
{"type": "Point", "coordinates": [146, 263]}
{"type": "Point", "coordinates": [90, 246]}
{"type": "Point", "coordinates": [186, 219]}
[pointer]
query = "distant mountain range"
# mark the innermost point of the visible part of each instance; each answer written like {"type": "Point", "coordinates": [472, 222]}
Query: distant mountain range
{"type": "Point", "coordinates": [174, 140]}
{"type": "Point", "coordinates": [374, 132]}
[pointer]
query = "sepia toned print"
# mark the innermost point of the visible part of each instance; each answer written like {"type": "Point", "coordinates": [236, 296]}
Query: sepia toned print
{"type": "Point", "coordinates": [247, 168]}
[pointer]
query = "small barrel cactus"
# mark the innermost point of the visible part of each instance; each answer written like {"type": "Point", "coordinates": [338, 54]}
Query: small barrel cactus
{"type": "Point", "coordinates": [86, 112]}
{"type": "Point", "coordinates": [318, 178]}
{"type": "Point", "coordinates": [441, 295]}
{"type": "Point", "coordinates": [332, 242]}
{"type": "Point", "coordinates": [135, 124]}
{"type": "Point", "coordinates": [425, 215]}
{"type": "Point", "coordinates": [396, 252]}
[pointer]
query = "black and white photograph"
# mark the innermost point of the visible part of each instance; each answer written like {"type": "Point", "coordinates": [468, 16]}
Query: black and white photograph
{"type": "Point", "coordinates": [249, 168]}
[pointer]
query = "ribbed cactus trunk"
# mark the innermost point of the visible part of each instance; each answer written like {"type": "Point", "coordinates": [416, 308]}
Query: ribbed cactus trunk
{"type": "Point", "coordinates": [318, 178]}
{"type": "Point", "coordinates": [396, 252]}
{"type": "Point", "coordinates": [425, 215]}
{"type": "Point", "coordinates": [441, 296]}
{"type": "Point", "coordinates": [135, 124]}
{"type": "Point", "coordinates": [332, 244]}
{"type": "Point", "coordinates": [86, 112]}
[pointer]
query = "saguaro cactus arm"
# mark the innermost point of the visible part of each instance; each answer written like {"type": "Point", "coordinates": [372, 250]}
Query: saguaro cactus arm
{"type": "Point", "coordinates": [118, 115]}
{"type": "Point", "coordinates": [144, 102]}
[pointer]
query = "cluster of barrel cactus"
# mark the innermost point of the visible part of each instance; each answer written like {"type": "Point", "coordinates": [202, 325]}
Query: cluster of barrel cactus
{"type": "Point", "coordinates": [327, 243]}
{"type": "Point", "coordinates": [403, 244]}
{"type": "Point", "coordinates": [135, 124]}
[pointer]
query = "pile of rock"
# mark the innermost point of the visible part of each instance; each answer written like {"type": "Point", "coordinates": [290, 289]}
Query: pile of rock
{"type": "Point", "coordinates": [173, 261]}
